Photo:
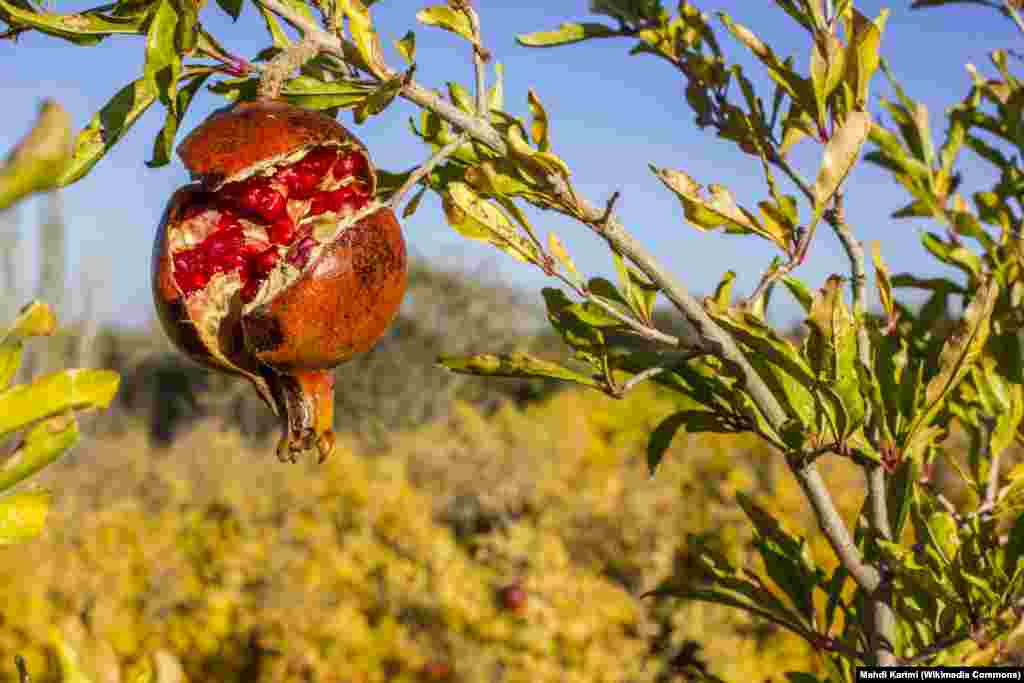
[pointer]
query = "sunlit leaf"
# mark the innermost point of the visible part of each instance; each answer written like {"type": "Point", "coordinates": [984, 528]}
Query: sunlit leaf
{"type": "Point", "coordinates": [22, 516]}
{"type": "Point", "coordinates": [840, 155]}
{"type": "Point", "coordinates": [406, 47]}
{"type": "Point", "coordinates": [107, 127]}
{"type": "Point", "coordinates": [35, 320]}
{"type": "Point", "coordinates": [565, 34]}
{"type": "Point", "coordinates": [164, 143]}
{"type": "Point", "coordinates": [448, 18]}
{"type": "Point", "coordinates": [515, 365]}
{"type": "Point", "coordinates": [37, 161]}
{"type": "Point", "coordinates": [42, 445]}
{"type": "Point", "coordinates": [51, 394]}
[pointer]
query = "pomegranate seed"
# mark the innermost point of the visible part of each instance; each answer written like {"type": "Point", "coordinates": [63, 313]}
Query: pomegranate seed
{"type": "Point", "coordinates": [351, 164]}
{"type": "Point", "coordinates": [263, 263]}
{"type": "Point", "coordinates": [256, 198]}
{"type": "Point", "coordinates": [303, 176]}
{"type": "Point", "coordinates": [332, 201]}
{"type": "Point", "coordinates": [281, 231]}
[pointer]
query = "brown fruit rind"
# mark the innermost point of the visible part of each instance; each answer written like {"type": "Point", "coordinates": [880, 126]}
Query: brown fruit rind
{"type": "Point", "coordinates": [232, 143]}
{"type": "Point", "coordinates": [288, 339]}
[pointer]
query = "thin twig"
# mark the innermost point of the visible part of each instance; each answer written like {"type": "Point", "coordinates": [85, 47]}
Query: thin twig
{"type": "Point", "coordinates": [881, 618]}
{"type": "Point", "coordinates": [992, 487]}
{"type": "Point", "coordinates": [647, 374]}
{"type": "Point", "coordinates": [429, 165]}
{"type": "Point", "coordinates": [480, 58]}
{"type": "Point", "coordinates": [936, 647]}
{"type": "Point", "coordinates": [642, 330]}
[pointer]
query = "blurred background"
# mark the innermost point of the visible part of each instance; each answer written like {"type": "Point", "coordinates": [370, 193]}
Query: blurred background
{"type": "Point", "coordinates": [467, 530]}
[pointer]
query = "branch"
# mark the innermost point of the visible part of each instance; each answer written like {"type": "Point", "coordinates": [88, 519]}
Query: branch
{"type": "Point", "coordinates": [277, 71]}
{"type": "Point", "coordinates": [706, 335]}
{"type": "Point", "coordinates": [992, 487]}
{"type": "Point", "coordinates": [424, 170]}
{"type": "Point", "coordinates": [881, 619]}
{"type": "Point", "coordinates": [414, 92]}
{"type": "Point", "coordinates": [642, 330]}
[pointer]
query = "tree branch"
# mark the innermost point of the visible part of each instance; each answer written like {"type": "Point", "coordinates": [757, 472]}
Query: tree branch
{"type": "Point", "coordinates": [706, 335]}
{"type": "Point", "coordinates": [882, 620]}
{"type": "Point", "coordinates": [425, 169]}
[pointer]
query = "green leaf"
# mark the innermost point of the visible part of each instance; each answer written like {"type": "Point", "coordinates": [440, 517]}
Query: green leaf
{"type": "Point", "coordinates": [539, 127]}
{"type": "Point", "coordinates": [832, 350]}
{"type": "Point", "coordinates": [828, 61]}
{"type": "Point", "coordinates": [899, 496]}
{"type": "Point", "coordinates": [796, 86]}
{"type": "Point", "coordinates": [107, 127]}
{"type": "Point", "coordinates": [35, 320]}
{"type": "Point", "coordinates": [801, 292]}
{"type": "Point", "coordinates": [565, 34]}
{"type": "Point", "coordinates": [22, 516]}
{"type": "Point", "coordinates": [448, 18]}
{"type": "Point", "coordinates": [86, 28]}
{"type": "Point", "coordinates": [787, 558]}
{"type": "Point", "coordinates": [51, 394]}
{"type": "Point", "coordinates": [364, 35]}
{"type": "Point", "coordinates": [1013, 551]}
{"type": "Point", "coordinates": [70, 665]}
{"type": "Point", "coordinates": [586, 339]}
{"type": "Point", "coordinates": [519, 365]}
{"type": "Point", "coordinates": [958, 354]}
{"type": "Point", "coordinates": [406, 46]}
{"type": "Point", "coordinates": [475, 218]}
{"type": "Point", "coordinates": [414, 203]}
{"type": "Point", "coordinates": [164, 143]}
{"type": "Point", "coordinates": [693, 421]}
{"type": "Point", "coordinates": [35, 164]}
{"type": "Point", "coordinates": [232, 7]}
{"type": "Point", "coordinates": [42, 445]}
{"type": "Point", "coordinates": [883, 281]}
{"type": "Point", "coordinates": [862, 57]}
{"type": "Point", "coordinates": [840, 156]}
{"type": "Point", "coordinates": [277, 34]}
{"type": "Point", "coordinates": [717, 210]}
{"type": "Point", "coordinates": [496, 96]}
{"type": "Point", "coordinates": [163, 63]}
{"type": "Point", "coordinates": [379, 99]}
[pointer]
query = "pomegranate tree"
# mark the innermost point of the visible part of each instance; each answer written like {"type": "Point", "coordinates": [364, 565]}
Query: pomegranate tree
{"type": "Point", "coordinates": [278, 264]}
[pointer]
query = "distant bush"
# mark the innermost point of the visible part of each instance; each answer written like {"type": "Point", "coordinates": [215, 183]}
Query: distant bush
{"type": "Point", "coordinates": [377, 569]}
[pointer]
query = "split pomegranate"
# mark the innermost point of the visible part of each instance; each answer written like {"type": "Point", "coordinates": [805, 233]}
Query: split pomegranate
{"type": "Point", "coordinates": [278, 264]}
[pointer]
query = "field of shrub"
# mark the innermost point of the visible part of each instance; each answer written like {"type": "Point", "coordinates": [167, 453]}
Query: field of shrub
{"type": "Point", "coordinates": [466, 530]}
{"type": "Point", "coordinates": [390, 565]}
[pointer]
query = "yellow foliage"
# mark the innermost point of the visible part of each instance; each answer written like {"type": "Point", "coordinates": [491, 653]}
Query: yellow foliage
{"type": "Point", "coordinates": [372, 566]}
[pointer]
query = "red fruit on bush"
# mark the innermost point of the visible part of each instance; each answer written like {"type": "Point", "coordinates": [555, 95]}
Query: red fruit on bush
{"type": "Point", "coordinates": [278, 264]}
{"type": "Point", "coordinates": [512, 597]}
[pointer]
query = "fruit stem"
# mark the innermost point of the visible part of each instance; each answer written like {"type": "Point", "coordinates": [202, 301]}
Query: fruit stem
{"type": "Point", "coordinates": [308, 411]}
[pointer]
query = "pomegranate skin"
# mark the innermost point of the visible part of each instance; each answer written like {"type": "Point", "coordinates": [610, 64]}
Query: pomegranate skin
{"type": "Point", "coordinates": [282, 311]}
{"type": "Point", "coordinates": [340, 306]}
{"type": "Point", "coordinates": [233, 140]}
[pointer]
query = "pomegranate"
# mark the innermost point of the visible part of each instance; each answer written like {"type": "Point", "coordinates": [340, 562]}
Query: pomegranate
{"type": "Point", "coordinates": [278, 264]}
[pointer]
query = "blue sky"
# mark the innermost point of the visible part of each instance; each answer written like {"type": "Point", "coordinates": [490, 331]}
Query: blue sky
{"type": "Point", "coordinates": [611, 115]}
